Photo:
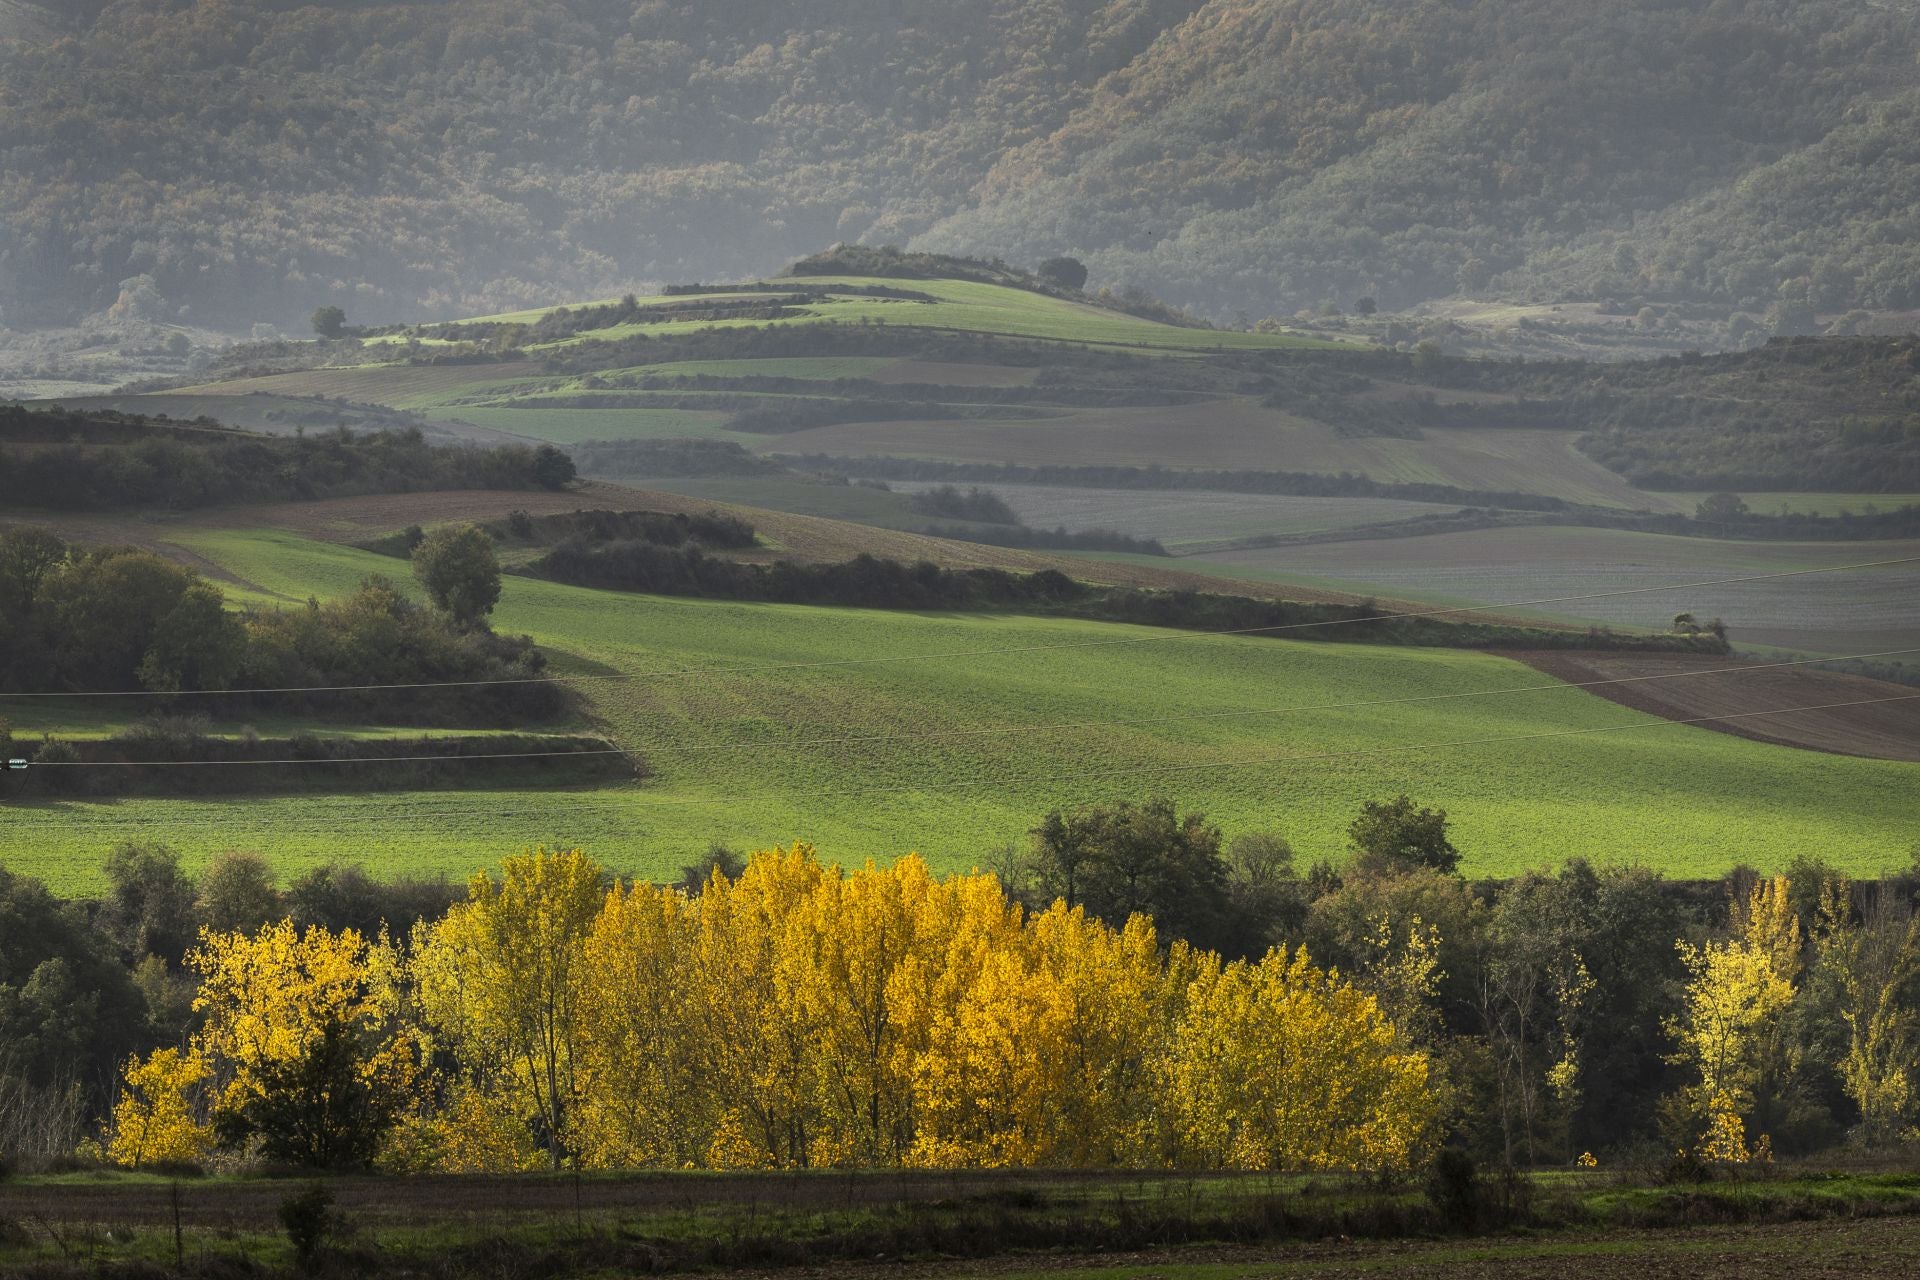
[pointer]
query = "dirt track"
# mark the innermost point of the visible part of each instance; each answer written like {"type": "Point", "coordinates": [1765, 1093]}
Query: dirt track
{"type": "Point", "coordinates": [1888, 731]}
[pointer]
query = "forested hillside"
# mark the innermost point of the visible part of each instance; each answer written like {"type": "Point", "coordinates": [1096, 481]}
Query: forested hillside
{"type": "Point", "coordinates": [231, 161]}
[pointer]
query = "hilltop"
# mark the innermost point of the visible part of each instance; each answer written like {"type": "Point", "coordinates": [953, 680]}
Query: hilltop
{"type": "Point", "coordinates": [245, 161]}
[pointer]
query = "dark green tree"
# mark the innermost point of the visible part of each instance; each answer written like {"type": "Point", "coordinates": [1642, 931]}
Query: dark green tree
{"type": "Point", "coordinates": [322, 1109]}
{"type": "Point", "coordinates": [1068, 273]}
{"type": "Point", "coordinates": [458, 567]}
{"type": "Point", "coordinates": [552, 468]}
{"type": "Point", "coordinates": [330, 322]}
{"type": "Point", "coordinates": [149, 907]}
{"type": "Point", "coordinates": [237, 893]}
{"type": "Point", "coordinates": [1398, 834]}
{"type": "Point", "coordinates": [1139, 858]}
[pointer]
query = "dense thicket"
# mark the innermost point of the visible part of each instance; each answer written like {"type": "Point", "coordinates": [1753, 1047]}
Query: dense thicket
{"type": "Point", "coordinates": [79, 460]}
{"type": "Point", "coordinates": [119, 619]}
{"type": "Point", "coordinates": [253, 160]}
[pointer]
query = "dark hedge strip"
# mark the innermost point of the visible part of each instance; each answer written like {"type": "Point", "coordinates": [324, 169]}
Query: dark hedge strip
{"type": "Point", "coordinates": [111, 460]}
{"type": "Point", "coordinates": [158, 758]}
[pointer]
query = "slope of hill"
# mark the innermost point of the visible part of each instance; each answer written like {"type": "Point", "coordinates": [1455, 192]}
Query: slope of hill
{"type": "Point", "coordinates": [250, 159]}
{"type": "Point", "coordinates": [877, 732]}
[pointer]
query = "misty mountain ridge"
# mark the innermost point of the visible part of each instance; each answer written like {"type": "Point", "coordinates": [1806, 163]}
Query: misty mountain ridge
{"type": "Point", "coordinates": [412, 160]}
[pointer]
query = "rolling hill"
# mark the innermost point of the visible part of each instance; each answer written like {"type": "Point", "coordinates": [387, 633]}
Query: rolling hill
{"type": "Point", "coordinates": [876, 732]}
{"type": "Point", "coordinates": [252, 159]}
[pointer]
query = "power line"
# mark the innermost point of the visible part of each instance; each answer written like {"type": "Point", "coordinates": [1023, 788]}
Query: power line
{"type": "Point", "coordinates": [1158, 638]}
{"type": "Point", "coordinates": [1010, 730]}
{"type": "Point", "coordinates": [1201, 766]}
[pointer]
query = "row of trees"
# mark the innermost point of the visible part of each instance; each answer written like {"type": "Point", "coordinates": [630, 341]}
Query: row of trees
{"type": "Point", "coordinates": [66, 460]}
{"type": "Point", "coordinates": [797, 1016]}
{"type": "Point", "coordinates": [1132, 988]}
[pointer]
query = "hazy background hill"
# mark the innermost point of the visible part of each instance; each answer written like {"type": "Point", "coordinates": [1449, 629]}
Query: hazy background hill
{"type": "Point", "coordinates": [414, 158]}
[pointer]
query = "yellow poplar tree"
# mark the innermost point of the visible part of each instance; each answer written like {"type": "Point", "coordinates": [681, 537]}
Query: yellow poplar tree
{"type": "Point", "coordinates": [1280, 1065]}
{"type": "Point", "coordinates": [1872, 965]}
{"type": "Point", "coordinates": [1114, 997]}
{"type": "Point", "coordinates": [1737, 996]}
{"type": "Point", "coordinates": [156, 1120]}
{"type": "Point", "coordinates": [644, 1102]}
{"type": "Point", "coordinates": [866, 925]}
{"type": "Point", "coordinates": [500, 979]}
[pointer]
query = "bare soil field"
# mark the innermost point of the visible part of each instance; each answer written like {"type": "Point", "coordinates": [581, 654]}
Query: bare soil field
{"type": "Point", "coordinates": [1241, 433]}
{"type": "Point", "coordinates": [1889, 731]}
{"type": "Point", "coordinates": [1190, 521]}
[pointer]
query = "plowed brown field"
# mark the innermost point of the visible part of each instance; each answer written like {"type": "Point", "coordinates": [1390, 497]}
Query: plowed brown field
{"type": "Point", "coordinates": [1888, 731]}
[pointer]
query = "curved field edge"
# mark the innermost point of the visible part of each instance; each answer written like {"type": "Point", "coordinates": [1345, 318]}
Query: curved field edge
{"type": "Point", "coordinates": [850, 734]}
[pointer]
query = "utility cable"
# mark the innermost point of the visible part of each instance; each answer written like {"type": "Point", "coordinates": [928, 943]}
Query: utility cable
{"type": "Point", "coordinates": [1158, 638]}
{"type": "Point", "coordinates": [1201, 766]}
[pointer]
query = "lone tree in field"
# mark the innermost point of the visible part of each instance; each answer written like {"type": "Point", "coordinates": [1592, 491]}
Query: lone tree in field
{"type": "Point", "coordinates": [1068, 273]}
{"type": "Point", "coordinates": [330, 322]}
{"type": "Point", "coordinates": [457, 566]}
{"type": "Point", "coordinates": [1394, 835]}
{"type": "Point", "coordinates": [552, 468]}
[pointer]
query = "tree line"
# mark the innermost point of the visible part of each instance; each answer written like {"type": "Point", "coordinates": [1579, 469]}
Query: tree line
{"type": "Point", "coordinates": [1135, 990]}
{"type": "Point", "coordinates": [179, 469]}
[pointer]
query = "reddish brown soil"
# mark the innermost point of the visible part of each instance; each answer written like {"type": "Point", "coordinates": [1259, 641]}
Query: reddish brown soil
{"type": "Point", "coordinates": [1888, 731]}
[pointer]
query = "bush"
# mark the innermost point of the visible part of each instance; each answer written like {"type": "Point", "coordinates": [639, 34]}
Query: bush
{"type": "Point", "coordinates": [1453, 1189]}
{"type": "Point", "coordinates": [307, 1217]}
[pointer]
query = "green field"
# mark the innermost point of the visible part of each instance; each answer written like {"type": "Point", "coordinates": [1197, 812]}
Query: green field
{"type": "Point", "coordinates": [967, 306]}
{"type": "Point", "coordinates": [767, 755]}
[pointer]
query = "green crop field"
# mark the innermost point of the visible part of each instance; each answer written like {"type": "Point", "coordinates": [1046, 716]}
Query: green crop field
{"type": "Point", "coordinates": [1849, 612]}
{"type": "Point", "coordinates": [971, 307]}
{"type": "Point", "coordinates": [902, 731]}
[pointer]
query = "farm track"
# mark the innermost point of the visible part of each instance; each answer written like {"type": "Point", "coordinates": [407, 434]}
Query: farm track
{"type": "Point", "coordinates": [1887, 732]}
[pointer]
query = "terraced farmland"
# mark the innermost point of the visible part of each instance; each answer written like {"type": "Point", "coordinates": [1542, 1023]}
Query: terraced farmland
{"type": "Point", "coordinates": [1241, 433]}
{"type": "Point", "coordinates": [878, 732]}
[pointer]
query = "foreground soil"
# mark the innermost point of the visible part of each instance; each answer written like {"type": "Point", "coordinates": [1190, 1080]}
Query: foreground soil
{"type": "Point", "coordinates": [1886, 731]}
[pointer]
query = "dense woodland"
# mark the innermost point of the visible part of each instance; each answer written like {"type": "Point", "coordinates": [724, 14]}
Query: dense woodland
{"type": "Point", "coordinates": [230, 161]}
{"type": "Point", "coordinates": [1138, 991]}
{"type": "Point", "coordinates": [68, 460]}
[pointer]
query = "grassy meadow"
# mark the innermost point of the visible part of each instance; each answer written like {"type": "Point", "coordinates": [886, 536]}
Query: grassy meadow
{"type": "Point", "coordinates": [770, 723]}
